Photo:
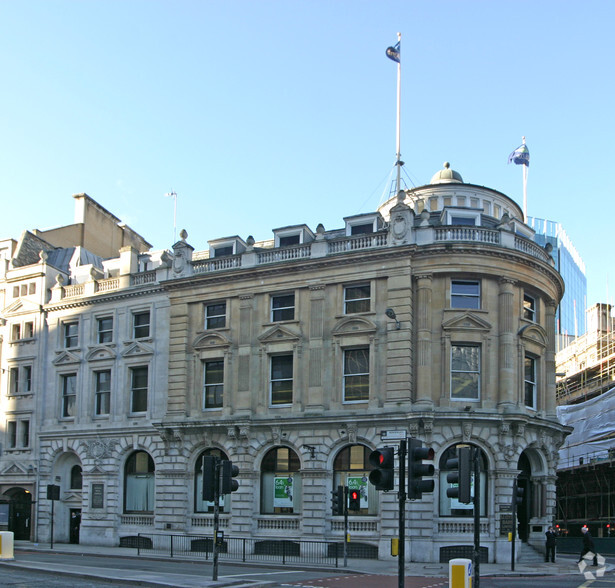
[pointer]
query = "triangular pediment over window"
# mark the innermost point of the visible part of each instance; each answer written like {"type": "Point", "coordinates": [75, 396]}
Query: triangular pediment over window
{"type": "Point", "coordinates": [466, 322]}
{"type": "Point", "coordinates": [66, 358]}
{"type": "Point", "coordinates": [277, 334]}
{"type": "Point", "coordinates": [137, 349]}
{"type": "Point", "coordinates": [534, 333]}
{"type": "Point", "coordinates": [97, 471]}
{"type": "Point", "coordinates": [100, 352]}
{"type": "Point", "coordinates": [13, 469]}
{"type": "Point", "coordinates": [210, 339]}
{"type": "Point", "coordinates": [20, 307]}
{"type": "Point", "coordinates": [353, 325]}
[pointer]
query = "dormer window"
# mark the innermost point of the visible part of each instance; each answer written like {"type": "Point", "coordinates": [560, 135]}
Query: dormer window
{"type": "Point", "coordinates": [222, 251]}
{"type": "Point", "coordinates": [362, 229]}
{"type": "Point", "coordinates": [363, 224]}
{"type": "Point", "coordinates": [290, 240]}
{"type": "Point", "coordinates": [461, 217]}
{"type": "Point", "coordinates": [226, 246]}
{"type": "Point", "coordinates": [292, 235]}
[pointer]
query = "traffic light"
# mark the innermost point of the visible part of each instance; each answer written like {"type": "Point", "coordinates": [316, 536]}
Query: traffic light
{"type": "Point", "coordinates": [383, 476]}
{"type": "Point", "coordinates": [354, 500]}
{"type": "Point", "coordinates": [417, 469]}
{"type": "Point", "coordinates": [337, 501]}
{"type": "Point", "coordinates": [517, 494]}
{"type": "Point", "coordinates": [462, 476]}
{"type": "Point", "coordinates": [209, 477]}
{"type": "Point", "coordinates": [227, 474]}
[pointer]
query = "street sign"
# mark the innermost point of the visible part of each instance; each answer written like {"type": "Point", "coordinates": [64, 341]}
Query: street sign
{"type": "Point", "coordinates": [393, 435]}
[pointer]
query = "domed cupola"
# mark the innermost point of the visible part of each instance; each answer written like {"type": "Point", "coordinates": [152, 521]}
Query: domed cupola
{"type": "Point", "coordinates": [447, 176]}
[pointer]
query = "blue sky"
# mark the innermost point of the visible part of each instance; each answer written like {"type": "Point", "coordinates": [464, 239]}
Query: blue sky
{"type": "Point", "coordinates": [262, 114]}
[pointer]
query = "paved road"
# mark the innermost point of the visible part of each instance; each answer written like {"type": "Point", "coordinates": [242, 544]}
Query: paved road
{"type": "Point", "coordinates": [20, 578]}
{"type": "Point", "coordinates": [91, 569]}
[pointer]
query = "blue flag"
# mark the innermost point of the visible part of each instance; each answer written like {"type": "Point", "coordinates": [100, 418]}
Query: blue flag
{"type": "Point", "coordinates": [520, 156]}
{"type": "Point", "coordinates": [394, 52]}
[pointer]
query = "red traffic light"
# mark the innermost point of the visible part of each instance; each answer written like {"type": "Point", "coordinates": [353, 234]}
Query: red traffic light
{"type": "Point", "coordinates": [354, 495]}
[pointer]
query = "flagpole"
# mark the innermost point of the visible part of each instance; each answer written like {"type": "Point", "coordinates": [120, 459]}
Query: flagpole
{"type": "Point", "coordinates": [525, 168]}
{"type": "Point", "coordinates": [398, 162]}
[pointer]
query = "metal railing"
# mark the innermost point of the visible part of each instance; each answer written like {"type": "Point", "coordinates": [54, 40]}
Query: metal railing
{"type": "Point", "coordinates": [245, 549]}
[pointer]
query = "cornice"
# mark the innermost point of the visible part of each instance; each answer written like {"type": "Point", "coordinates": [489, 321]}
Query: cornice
{"type": "Point", "coordinates": [303, 265]}
{"type": "Point", "coordinates": [93, 300]}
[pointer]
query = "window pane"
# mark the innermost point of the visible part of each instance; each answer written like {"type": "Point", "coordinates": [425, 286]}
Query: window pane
{"type": "Point", "coordinates": [14, 380]}
{"type": "Point", "coordinates": [215, 315]}
{"type": "Point", "coordinates": [25, 433]}
{"type": "Point", "coordinates": [103, 392]}
{"type": "Point", "coordinates": [530, 382]}
{"type": "Point", "coordinates": [281, 379]}
{"type": "Point", "coordinates": [71, 334]}
{"type": "Point", "coordinates": [465, 294]}
{"type": "Point", "coordinates": [69, 391]}
{"type": "Point", "coordinates": [357, 298]}
{"type": "Point", "coordinates": [465, 372]}
{"type": "Point", "coordinates": [283, 307]}
{"type": "Point", "coordinates": [141, 325]}
{"type": "Point", "coordinates": [356, 375]}
{"type": "Point", "coordinates": [27, 383]}
{"type": "Point", "coordinates": [139, 389]}
{"type": "Point", "coordinates": [12, 434]}
{"type": "Point", "coordinates": [105, 330]}
{"type": "Point", "coordinates": [214, 384]}
{"type": "Point", "coordinates": [529, 308]}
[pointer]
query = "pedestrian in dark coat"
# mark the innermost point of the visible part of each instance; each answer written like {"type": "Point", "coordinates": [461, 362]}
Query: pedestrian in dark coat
{"type": "Point", "coordinates": [588, 545]}
{"type": "Point", "coordinates": [551, 541]}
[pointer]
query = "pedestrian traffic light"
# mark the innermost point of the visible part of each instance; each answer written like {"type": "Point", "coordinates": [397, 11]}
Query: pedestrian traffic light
{"type": "Point", "coordinates": [517, 494]}
{"type": "Point", "coordinates": [227, 474]}
{"type": "Point", "coordinates": [337, 501]}
{"type": "Point", "coordinates": [461, 475]}
{"type": "Point", "coordinates": [417, 469]}
{"type": "Point", "coordinates": [209, 477]}
{"type": "Point", "coordinates": [354, 500]}
{"type": "Point", "coordinates": [383, 476]}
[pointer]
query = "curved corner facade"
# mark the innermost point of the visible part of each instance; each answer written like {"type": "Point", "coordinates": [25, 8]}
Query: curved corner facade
{"type": "Point", "coordinates": [434, 315]}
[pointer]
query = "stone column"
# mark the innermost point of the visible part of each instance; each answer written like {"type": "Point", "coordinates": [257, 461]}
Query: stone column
{"type": "Point", "coordinates": [506, 356]}
{"type": "Point", "coordinates": [425, 392]}
{"type": "Point", "coordinates": [550, 393]}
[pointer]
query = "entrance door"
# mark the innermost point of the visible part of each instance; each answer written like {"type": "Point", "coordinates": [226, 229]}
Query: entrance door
{"type": "Point", "coordinates": [20, 513]}
{"type": "Point", "coordinates": [74, 524]}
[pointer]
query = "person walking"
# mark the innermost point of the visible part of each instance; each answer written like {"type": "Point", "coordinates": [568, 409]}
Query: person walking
{"type": "Point", "coordinates": [588, 545]}
{"type": "Point", "coordinates": [551, 541]}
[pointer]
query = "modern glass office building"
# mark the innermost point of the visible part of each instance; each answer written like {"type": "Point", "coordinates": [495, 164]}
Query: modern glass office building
{"type": "Point", "coordinates": [571, 311]}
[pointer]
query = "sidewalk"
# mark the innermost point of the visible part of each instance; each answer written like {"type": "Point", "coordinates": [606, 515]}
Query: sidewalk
{"type": "Point", "coordinates": [166, 572]}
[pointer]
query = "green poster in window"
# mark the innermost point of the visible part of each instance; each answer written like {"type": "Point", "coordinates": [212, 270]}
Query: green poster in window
{"type": "Point", "coordinates": [360, 484]}
{"type": "Point", "coordinates": [283, 492]}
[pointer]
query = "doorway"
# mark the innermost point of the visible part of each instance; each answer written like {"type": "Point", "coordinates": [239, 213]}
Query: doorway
{"type": "Point", "coordinates": [74, 524]}
{"type": "Point", "coordinates": [20, 513]}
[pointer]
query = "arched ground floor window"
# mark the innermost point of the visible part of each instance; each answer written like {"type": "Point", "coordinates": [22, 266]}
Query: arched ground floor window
{"type": "Point", "coordinates": [280, 482]}
{"type": "Point", "coordinates": [351, 468]}
{"type": "Point", "coordinates": [451, 507]}
{"type": "Point", "coordinates": [139, 483]}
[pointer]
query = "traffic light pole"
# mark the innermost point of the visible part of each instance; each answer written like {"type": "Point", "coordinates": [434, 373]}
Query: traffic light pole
{"type": "Point", "coordinates": [514, 527]}
{"type": "Point", "coordinates": [346, 526]}
{"type": "Point", "coordinates": [401, 563]}
{"type": "Point", "coordinates": [476, 457]}
{"type": "Point", "coordinates": [216, 518]}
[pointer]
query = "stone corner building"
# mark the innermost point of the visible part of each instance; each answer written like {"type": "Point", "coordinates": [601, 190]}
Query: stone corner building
{"type": "Point", "coordinates": [280, 355]}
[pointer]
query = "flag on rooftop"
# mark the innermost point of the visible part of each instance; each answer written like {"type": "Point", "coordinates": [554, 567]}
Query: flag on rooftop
{"type": "Point", "coordinates": [394, 52]}
{"type": "Point", "coordinates": [520, 156]}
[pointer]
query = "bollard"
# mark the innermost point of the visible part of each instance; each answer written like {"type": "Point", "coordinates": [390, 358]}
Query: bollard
{"type": "Point", "coordinates": [460, 573]}
{"type": "Point", "coordinates": [6, 545]}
